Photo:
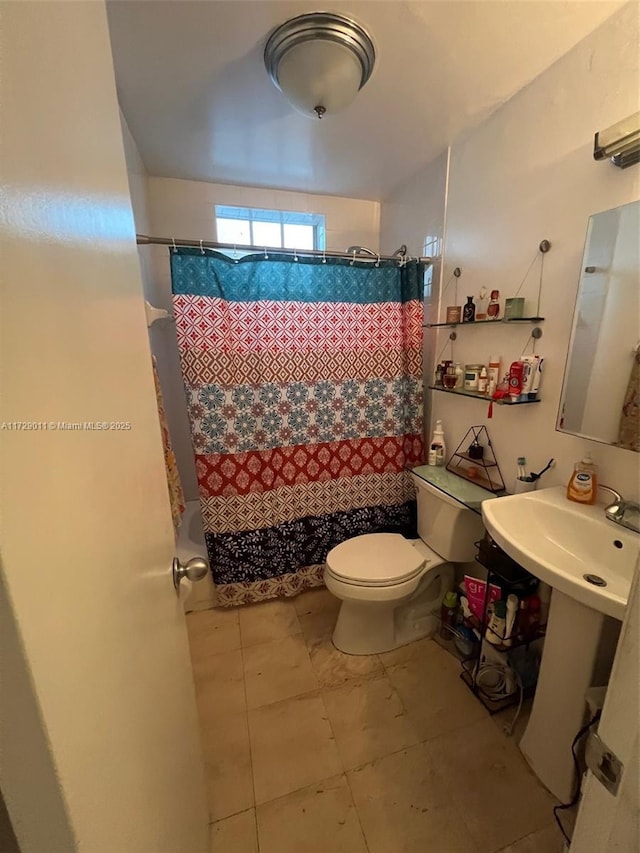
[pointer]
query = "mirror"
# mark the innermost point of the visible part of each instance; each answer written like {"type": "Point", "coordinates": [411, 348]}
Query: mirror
{"type": "Point", "coordinates": [601, 391]}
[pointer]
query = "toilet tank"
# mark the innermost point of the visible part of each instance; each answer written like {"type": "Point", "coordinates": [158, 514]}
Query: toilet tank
{"type": "Point", "coordinates": [445, 525]}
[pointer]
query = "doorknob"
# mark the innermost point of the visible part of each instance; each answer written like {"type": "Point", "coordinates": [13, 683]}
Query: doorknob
{"type": "Point", "coordinates": [195, 569]}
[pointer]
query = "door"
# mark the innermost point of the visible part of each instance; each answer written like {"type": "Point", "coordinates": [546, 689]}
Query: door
{"type": "Point", "coordinates": [606, 822]}
{"type": "Point", "coordinates": [99, 738]}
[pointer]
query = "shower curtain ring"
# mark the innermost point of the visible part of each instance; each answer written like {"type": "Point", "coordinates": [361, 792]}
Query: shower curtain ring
{"type": "Point", "coordinates": [235, 252]}
{"type": "Point", "coordinates": [353, 259]}
{"type": "Point", "coordinates": [324, 261]}
{"type": "Point", "coordinates": [201, 248]}
{"type": "Point", "coordinates": [295, 255]}
{"type": "Point", "coordinates": [173, 244]}
{"type": "Point", "coordinates": [266, 256]}
{"type": "Point", "coordinates": [378, 261]}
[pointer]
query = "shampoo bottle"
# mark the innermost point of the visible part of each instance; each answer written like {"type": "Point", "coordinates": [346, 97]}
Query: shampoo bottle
{"type": "Point", "coordinates": [583, 485]}
{"type": "Point", "coordinates": [437, 447]}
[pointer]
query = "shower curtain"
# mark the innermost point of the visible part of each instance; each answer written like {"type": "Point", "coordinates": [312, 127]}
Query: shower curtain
{"type": "Point", "coordinates": [303, 379]}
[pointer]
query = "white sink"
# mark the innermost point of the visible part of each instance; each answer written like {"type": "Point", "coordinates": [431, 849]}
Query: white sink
{"type": "Point", "coordinates": [560, 542]}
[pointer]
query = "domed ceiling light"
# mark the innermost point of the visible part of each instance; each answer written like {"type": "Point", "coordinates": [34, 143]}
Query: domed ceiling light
{"type": "Point", "coordinates": [319, 61]}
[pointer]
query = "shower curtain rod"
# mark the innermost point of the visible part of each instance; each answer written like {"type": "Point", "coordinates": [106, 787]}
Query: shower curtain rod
{"type": "Point", "coordinates": [359, 253]}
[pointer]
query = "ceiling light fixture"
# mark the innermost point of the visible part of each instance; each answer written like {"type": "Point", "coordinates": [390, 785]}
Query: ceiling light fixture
{"type": "Point", "coordinates": [620, 142]}
{"type": "Point", "coordinates": [319, 61]}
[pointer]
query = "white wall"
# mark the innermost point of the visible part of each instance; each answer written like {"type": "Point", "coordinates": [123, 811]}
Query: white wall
{"type": "Point", "coordinates": [185, 209]}
{"type": "Point", "coordinates": [525, 174]}
{"type": "Point", "coordinates": [161, 335]}
{"type": "Point", "coordinates": [414, 214]}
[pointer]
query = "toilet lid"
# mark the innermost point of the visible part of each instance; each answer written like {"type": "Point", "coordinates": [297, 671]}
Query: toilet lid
{"type": "Point", "coordinates": [375, 559]}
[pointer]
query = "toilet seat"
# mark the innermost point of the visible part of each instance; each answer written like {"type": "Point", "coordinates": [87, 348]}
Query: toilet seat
{"type": "Point", "coordinates": [376, 559]}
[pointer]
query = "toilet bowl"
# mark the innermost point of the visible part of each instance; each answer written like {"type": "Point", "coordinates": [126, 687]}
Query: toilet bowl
{"type": "Point", "coordinates": [391, 588]}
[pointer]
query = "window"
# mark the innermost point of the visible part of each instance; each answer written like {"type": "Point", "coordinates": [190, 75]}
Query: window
{"type": "Point", "coordinates": [280, 229]}
{"type": "Point", "coordinates": [432, 249]}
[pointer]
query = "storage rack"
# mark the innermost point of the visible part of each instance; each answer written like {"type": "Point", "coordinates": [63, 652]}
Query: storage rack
{"type": "Point", "coordinates": [509, 577]}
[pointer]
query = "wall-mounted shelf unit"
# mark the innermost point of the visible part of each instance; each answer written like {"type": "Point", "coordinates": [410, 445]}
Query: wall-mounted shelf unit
{"type": "Point", "coordinates": [484, 323]}
{"type": "Point", "coordinates": [484, 470]}
{"type": "Point", "coordinates": [504, 401]}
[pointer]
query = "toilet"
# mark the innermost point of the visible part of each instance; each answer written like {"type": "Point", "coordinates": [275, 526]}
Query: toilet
{"type": "Point", "coordinates": [391, 588]}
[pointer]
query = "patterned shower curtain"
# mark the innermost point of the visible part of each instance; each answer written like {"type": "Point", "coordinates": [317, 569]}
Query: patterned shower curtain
{"type": "Point", "coordinates": [304, 390]}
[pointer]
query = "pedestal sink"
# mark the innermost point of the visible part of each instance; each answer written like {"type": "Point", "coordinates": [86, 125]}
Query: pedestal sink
{"type": "Point", "coordinates": [589, 563]}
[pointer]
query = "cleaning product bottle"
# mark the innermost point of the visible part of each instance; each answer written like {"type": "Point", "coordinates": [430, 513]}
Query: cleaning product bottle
{"type": "Point", "coordinates": [437, 446]}
{"type": "Point", "coordinates": [583, 485]}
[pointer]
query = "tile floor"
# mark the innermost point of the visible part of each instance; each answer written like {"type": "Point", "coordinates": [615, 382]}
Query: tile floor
{"type": "Point", "coordinates": [308, 750]}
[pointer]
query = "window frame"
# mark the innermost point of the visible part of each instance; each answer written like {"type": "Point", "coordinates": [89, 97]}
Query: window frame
{"type": "Point", "coordinates": [316, 221]}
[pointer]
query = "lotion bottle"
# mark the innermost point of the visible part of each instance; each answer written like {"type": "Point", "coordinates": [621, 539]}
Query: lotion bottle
{"type": "Point", "coordinates": [583, 485]}
{"type": "Point", "coordinates": [437, 447]}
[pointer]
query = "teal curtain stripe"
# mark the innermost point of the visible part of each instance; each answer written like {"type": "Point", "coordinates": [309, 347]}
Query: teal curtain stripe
{"type": "Point", "coordinates": [281, 278]}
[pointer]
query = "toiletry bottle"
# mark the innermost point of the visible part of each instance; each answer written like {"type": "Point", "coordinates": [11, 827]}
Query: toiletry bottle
{"type": "Point", "coordinates": [437, 445]}
{"type": "Point", "coordinates": [481, 309]}
{"type": "Point", "coordinates": [448, 614]}
{"type": "Point", "coordinates": [459, 376]}
{"type": "Point", "coordinates": [493, 311]}
{"type": "Point", "coordinates": [483, 379]}
{"type": "Point", "coordinates": [512, 611]}
{"type": "Point", "coordinates": [544, 594]}
{"type": "Point", "coordinates": [583, 485]}
{"type": "Point", "coordinates": [522, 620]}
{"type": "Point", "coordinates": [476, 450]}
{"type": "Point", "coordinates": [496, 629]}
{"type": "Point", "coordinates": [469, 311]}
{"type": "Point", "coordinates": [439, 375]}
{"type": "Point", "coordinates": [493, 374]}
{"type": "Point", "coordinates": [516, 378]}
{"type": "Point", "coordinates": [533, 621]}
{"type": "Point", "coordinates": [532, 393]}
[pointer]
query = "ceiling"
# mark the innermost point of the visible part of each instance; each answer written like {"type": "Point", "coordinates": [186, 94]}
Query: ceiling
{"type": "Point", "coordinates": [197, 98]}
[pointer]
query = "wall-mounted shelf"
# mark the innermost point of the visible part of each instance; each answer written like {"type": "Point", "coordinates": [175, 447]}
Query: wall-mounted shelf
{"type": "Point", "coordinates": [484, 323]}
{"type": "Point", "coordinates": [483, 471]}
{"type": "Point", "coordinates": [505, 401]}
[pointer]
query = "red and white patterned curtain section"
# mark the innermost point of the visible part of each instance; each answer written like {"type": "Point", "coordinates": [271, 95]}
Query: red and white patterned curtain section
{"type": "Point", "coordinates": [304, 390]}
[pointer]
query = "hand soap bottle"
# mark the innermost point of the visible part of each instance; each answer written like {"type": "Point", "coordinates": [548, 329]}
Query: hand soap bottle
{"type": "Point", "coordinates": [583, 485]}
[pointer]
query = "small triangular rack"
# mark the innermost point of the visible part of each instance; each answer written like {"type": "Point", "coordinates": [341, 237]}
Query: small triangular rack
{"type": "Point", "coordinates": [474, 460]}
